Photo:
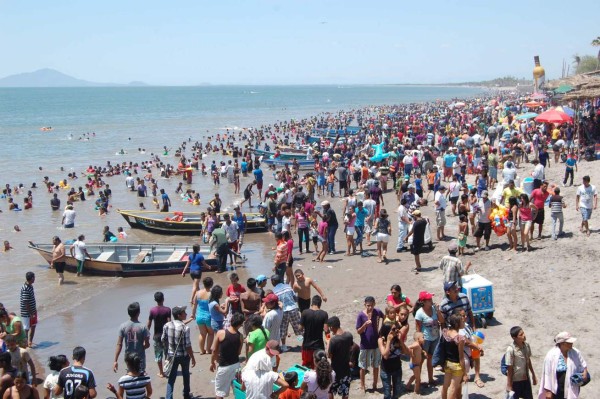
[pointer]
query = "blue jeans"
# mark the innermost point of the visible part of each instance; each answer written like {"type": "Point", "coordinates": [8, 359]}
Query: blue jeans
{"type": "Point", "coordinates": [184, 361]}
{"type": "Point", "coordinates": [331, 237]}
{"type": "Point", "coordinates": [360, 231]}
{"type": "Point", "coordinates": [392, 383]}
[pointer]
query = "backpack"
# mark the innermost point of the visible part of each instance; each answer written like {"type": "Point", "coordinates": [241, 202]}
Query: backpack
{"type": "Point", "coordinates": [503, 366]}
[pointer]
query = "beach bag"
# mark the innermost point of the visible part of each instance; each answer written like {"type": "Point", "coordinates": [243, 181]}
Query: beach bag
{"type": "Point", "coordinates": [439, 354]}
{"type": "Point", "coordinates": [168, 362]}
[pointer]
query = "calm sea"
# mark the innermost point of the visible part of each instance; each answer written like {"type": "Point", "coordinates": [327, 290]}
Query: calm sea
{"type": "Point", "coordinates": [88, 310]}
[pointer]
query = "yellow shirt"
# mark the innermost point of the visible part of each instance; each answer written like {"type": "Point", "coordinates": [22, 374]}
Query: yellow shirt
{"type": "Point", "coordinates": [507, 193]}
{"type": "Point", "coordinates": [555, 134]}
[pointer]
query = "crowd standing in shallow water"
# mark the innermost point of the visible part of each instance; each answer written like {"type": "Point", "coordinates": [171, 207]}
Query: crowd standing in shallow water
{"type": "Point", "coordinates": [472, 156]}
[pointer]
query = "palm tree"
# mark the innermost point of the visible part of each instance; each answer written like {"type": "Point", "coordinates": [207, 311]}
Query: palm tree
{"type": "Point", "coordinates": [596, 43]}
{"type": "Point", "coordinates": [576, 61]}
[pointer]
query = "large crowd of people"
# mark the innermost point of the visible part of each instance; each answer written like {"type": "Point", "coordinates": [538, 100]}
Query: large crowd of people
{"type": "Point", "coordinates": [468, 160]}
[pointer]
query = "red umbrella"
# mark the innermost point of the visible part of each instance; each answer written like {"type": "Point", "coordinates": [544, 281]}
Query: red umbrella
{"type": "Point", "coordinates": [532, 104]}
{"type": "Point", "coordinates": [553, 116]}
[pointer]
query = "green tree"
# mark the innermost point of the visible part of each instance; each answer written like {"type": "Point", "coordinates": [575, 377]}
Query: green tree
{"type": "Point", "coordinates": [588, 63]}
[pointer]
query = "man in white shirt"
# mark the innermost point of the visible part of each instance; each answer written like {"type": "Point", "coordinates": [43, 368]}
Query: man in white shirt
{"type": "Point", "coordinates": [79, 251]}
{"type": "Point", "coordinates": [537, 174]}
{"type": "Point", "coordinates": [258, 376]}
{"type": "Point", "coordinates": [232, 232]}
{"type": "Point", "coordinates": [403, 221]}
{"type": "Point", "coordinates": [68, 219]}
{"type": "Point", "coordinates": [587, 199]}
{"type": "Point", "coordinates": [440, 211]}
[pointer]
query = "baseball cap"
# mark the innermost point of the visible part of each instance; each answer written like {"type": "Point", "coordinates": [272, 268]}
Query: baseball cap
{"type": "Point", "coordinates": [324, 203]}
{"type": "Point", "coordinates": [177, 310]}
{"type": "Point", "coordinates": [452, 247]}
{"type": "Point", "coordinates": [424, 295]}
{"type": "Point", "coordinates": [271, 298]}
{"type": "Point", "coordinates": [273, 347]}
{"type": "Point", "coordinates": [564, 337]}
{"type": "Point", "coordinates": [416, 212]}
{"type": "Point", "coordinates": [442, 188]}
{"type": "Point", "coordinates": [449, 285]}
{"type": "Point", "coordinates": [261, 278]}
{"type": "Point", "coordinates": [411, 186]}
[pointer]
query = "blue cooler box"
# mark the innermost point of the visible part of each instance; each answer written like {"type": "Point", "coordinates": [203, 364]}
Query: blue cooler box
{"type": "Point", "coordinates": [480, 292]}
{"type": "Point", "coordinates": [300, 370]}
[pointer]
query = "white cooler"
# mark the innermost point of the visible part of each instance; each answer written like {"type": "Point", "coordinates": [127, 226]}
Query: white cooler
{"type": "Point", "coordinates": [480, 292]}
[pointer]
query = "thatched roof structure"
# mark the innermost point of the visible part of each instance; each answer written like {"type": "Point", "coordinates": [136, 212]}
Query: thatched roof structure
{"type": "Point", "coordinates": [577, 81]}
{"type": "Point", "coordinates": [583, 93]}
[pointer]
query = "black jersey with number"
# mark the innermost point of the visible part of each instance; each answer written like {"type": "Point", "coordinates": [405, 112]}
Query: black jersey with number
{"type": "Point", "coordinates": [71, 377]}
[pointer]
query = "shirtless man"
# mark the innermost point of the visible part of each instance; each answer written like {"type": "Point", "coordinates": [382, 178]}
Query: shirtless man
{"type": "Point", "coordinates": [58, 259]}
{"type": "Point", "coordinates": [302, 289]}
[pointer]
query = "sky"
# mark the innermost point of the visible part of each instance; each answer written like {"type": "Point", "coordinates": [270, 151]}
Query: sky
{"type": "Point", "coordinates": [252, 42]}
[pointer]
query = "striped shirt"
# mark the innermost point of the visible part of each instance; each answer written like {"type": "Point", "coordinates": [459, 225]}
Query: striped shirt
{"type": "Point", "coordinates": [171, 335]}
{"type": "Point", "coordinates": [447, 307]}
{"type": "Point", "coordinates": [556, 204]}
{"type": "Point", "coordinates": [135, 387]}
{"type": "Point", "coordinates": [27, 299]}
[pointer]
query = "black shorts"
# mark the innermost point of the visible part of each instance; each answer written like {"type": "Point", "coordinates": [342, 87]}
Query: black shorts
{"type": "Point", "coordinates": [539, 218]}
{"type": "Point", "coordinates": [59, 267]}
{"type": "Point", "coordinates": [483, 230]}
{"type": "Point", "coordinates": [430, 187]}
{"type": "Point", "coordinates": [416, 249]}
{"type": "Point", "coordinates": [454, 200]}
{"type": "Point", "coordinates": [196, 275]}
{"type": "Point", "coordinates": [343, 184]}
{"type": "Point", "coordinates": [246, 195]}
{"type": "Point", "coordinates": [356, 176]}
{"type": "Point", "coordinates": [303, 304]}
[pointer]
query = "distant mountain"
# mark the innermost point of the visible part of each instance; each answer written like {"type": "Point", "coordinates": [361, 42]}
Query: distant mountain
{"type": "Point", "coordinates": [52, 78]}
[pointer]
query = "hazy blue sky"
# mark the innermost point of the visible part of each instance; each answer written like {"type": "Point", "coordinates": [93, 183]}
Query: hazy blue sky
{"type": "Point", "coordinates": [292, 41]}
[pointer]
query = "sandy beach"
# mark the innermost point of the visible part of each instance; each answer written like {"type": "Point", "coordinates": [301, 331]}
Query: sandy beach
{"type": "Point", "coordinates": [550, 289]}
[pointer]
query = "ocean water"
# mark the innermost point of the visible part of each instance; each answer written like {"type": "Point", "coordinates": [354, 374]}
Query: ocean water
{"type": "Point", "coordinates": [130, 118]}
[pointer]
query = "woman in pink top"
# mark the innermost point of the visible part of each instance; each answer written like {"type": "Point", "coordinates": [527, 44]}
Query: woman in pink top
{"type": "Point", "coordinates": [323, 228]}
{"type": "Point", "coordinates": [349, 221]}
{"type": "Point", "coordinates": [301, 225]}
{"type": "Point", "coordinates": [528, 212]}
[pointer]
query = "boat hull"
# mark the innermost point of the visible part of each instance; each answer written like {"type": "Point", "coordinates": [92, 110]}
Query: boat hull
{"type": "Point", "coordinates": [155, 222]}
{"type": "Point", "coordinates": [133, 268]}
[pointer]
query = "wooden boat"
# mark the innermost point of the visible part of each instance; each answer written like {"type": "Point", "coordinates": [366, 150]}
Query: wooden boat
{"type": "Point", "coordinates": [302, 163]}
{"type": "Point", "coordinates": [181, 223]}
{"type": "Point", "coordinates": [288, 155]}
{"type": "Point", "coordinates": [128, 260]}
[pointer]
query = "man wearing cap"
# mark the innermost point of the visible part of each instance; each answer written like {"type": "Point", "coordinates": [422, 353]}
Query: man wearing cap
{"type": "Point", "coordinates": [261, 282]}
{"type": "Point", "coordinates": [440, 211]}
{"type": "Point", "coordinates": [273, 317]}
{"type": "Point", "coordinates": [178, 347]}
{"type": "Point", "coordinates": [332, 225]}
{"type": "Point", "coordinates": [452, 266]}
{"type": "Point", "coordinates": [68, 219]}
{"type": "Point", "coordinates": [453, 301]}
{"type": "Point", "coordinates": [258, 376]}
{"type": "Point", "coordinates": [484, 224]}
